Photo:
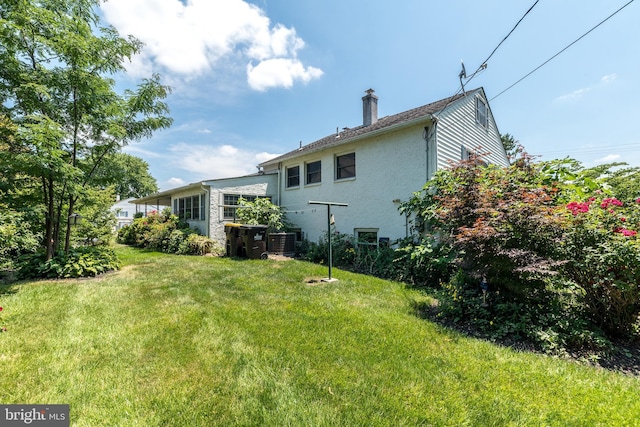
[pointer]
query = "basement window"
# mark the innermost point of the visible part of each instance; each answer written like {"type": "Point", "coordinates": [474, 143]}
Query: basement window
{"type": "Point", "coordinates": [367, 239]}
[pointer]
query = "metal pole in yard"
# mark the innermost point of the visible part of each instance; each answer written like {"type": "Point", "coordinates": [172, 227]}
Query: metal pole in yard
{"type": "Point", "coordinates": [329, 204]}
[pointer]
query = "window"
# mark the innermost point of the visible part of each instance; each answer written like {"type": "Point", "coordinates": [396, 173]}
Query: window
{"type": "Point", "coordinates": [190, 208]}
{"type": "Point", "coordinates": [122, 214]}
{"type": "Point", "coordinates": [314, 172]}
{"type": "Point", "coordinates": [293, 176]}
{"type": "Point", "coordinates": [471, 155]}
{"type": "Point", "coordinates": [231, 201]}
{"type": "Point", "coordinates": [481, 112]}
{"type": "Point", "coordinates": [464, 153]}
{"type": "Point", "coordinates": [187, 208]}
{"type": "Point", "coordinates": [367, 238]}
{"type": "Point", "coordinates": [346, 166]}
{"type": "Point", "coordinates": [181, 208]}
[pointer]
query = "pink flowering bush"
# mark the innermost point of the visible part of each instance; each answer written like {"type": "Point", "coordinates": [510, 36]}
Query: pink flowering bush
{"type": "Point", "coordinates": [602, 250]}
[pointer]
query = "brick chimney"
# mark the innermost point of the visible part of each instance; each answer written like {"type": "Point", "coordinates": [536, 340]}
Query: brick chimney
{"type": "Point", "coordinates": [369, 108]}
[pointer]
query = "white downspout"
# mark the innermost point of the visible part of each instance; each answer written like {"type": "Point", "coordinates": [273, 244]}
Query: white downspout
{"type": "Point", "coordinates": [279, 182]}
{"type": "Point", "coordinates": [207, 215]}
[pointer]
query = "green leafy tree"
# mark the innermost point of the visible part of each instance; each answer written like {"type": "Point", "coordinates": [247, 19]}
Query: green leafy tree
{"type": "Point", "coordinates": [617, 179]}
{"type": "Point", "coordinates": [96, 222]}
{"type": "Point", "coordinates": [511, 146]}
{"type": "Point", "coordinates": [16, 236]}
{"type": "Point", "coordinates": [55, 86]}
{"type": "Point", "coordinates": [129, 174]}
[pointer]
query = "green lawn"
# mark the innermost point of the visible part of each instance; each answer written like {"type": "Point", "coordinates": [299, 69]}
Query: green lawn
{"type": "Point", "coordinates": [196, 341]}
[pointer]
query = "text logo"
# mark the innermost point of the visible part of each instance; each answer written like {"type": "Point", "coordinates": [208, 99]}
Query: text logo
{"type": "Point", "coordinates": [34, 415]}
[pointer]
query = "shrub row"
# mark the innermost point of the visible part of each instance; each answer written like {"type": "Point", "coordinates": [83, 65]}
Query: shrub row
{"type": "Point", "coordinates": [164, 232]}
{"type": "Point", "coordinates": [84, 261]}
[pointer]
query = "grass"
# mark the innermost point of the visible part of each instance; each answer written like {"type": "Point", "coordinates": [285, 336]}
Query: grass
{"type": "Point", "coordinates": [193, 341]}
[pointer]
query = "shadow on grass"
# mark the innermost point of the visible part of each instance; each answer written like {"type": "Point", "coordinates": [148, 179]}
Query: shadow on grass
{"type": "Point", "coordinates": [623, 356]}
{"type": "Point", "coordinates": [7, 282]}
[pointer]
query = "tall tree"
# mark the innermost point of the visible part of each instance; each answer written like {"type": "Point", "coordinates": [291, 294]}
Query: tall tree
{"type": "Point", "coordinates": [511, 146]}
{"type": "Point", "coordinates": [128, 174]}
{"type": "Point", "coordinates": [56, 86]}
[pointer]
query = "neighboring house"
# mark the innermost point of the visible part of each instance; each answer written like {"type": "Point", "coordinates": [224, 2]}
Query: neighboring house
{"type": "Point", "coordinates": [124, 212]}
{"type": "Point", "coordinates": [372, 168]}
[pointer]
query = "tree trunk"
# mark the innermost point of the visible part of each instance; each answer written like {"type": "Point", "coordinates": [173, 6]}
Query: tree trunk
{"type": "Point", "coordinates": [50, 219]}
{"type": "Point", "coordinates": [67, 238]}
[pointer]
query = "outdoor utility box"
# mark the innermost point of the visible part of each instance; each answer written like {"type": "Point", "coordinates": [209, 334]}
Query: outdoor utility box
{"type": "Point", "coordinates": [234, 241]}
{"type": "Point", "coordinates": [254, 241]}
{"type": "Point", "coordinates": [282, 243]}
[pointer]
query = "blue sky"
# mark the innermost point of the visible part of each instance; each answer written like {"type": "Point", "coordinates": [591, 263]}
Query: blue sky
{"type": "Point", "coordinates": [253, 79]}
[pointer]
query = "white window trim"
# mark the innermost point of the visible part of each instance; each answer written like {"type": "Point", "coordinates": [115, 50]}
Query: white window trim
{"type": "Point", "coordinates": [486, 112]}
{"type": "Point", "coordinates": [355, 165]}
{"type": "Point", "coordinates": [286, 177]}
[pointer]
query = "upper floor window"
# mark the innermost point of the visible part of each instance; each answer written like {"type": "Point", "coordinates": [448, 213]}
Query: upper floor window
{"type": "Point", "coordinates": [482, 112]}
{"type": "Point", "coordinates": [293, 176]}
{"type": "Point", "coordinates": [314, 172]}
{"type": "Point", "coordinates": [346, 166]}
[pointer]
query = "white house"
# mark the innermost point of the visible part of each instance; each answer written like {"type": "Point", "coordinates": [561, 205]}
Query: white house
{"type": "Point", "coordinates": [208, 205]}
{"type": "Point", "coordinates": [375, 166]}
{"type": "Point", "coordinates": [371, 167]}
{"type": "Point", "coordinates": [124, 212]}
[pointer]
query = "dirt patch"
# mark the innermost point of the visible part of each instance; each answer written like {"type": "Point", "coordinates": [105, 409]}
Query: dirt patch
{"type": "Point", "coordinates": [279, 257]}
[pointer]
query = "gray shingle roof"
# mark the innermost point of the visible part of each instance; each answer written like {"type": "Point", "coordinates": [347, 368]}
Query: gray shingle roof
{"type": "Point", "coordinates": [382, 123]}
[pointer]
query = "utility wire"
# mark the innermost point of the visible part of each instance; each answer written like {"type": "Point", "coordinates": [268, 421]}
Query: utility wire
{"type": "Point", "coordinates": [483, 65]}
{"type": "Point", "coordinates": [596, 150]}
{"type": "Point", "coordinates": [565, 48]}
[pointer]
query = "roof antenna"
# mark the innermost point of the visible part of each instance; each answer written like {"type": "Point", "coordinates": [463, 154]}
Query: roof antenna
{"type": "Point", "coordinates": [462, 75]}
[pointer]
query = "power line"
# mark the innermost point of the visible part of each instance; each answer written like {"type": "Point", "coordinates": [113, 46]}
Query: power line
{"type": "Point", "coordinates": [483, 65]}
{"type": "Point", "coordinates": [596, 150]}
{"type": "Point", "coordinates": [565, 48]}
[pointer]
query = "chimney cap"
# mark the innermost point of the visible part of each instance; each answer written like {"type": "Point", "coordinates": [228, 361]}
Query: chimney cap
{"type": "Point", "coordinates": [370, 91]}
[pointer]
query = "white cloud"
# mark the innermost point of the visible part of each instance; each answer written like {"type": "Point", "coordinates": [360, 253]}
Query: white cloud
{"type": "Point", "coordinates": [573, 95]}
{"type": "Point", "coordinates": [576, 94]}
{"type": "Point", "coordinates": [175, 182]}
{"type": "Point", "coordinates": [212, 162]}
{"type": "Point", "coordinates": [136, 150]}
{"type": "Point", "coordinates": [608, 159]}
{"type": "Point", "coordinates": [190, 39]}
{"type": "Point", "coordinates": [279, 72]}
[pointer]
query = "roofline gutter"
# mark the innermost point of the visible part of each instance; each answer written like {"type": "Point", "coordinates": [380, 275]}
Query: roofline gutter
{"type": "Point", "coordinates": [356, 138]}
{"type": "Point", "coordinates": [166, 193]}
